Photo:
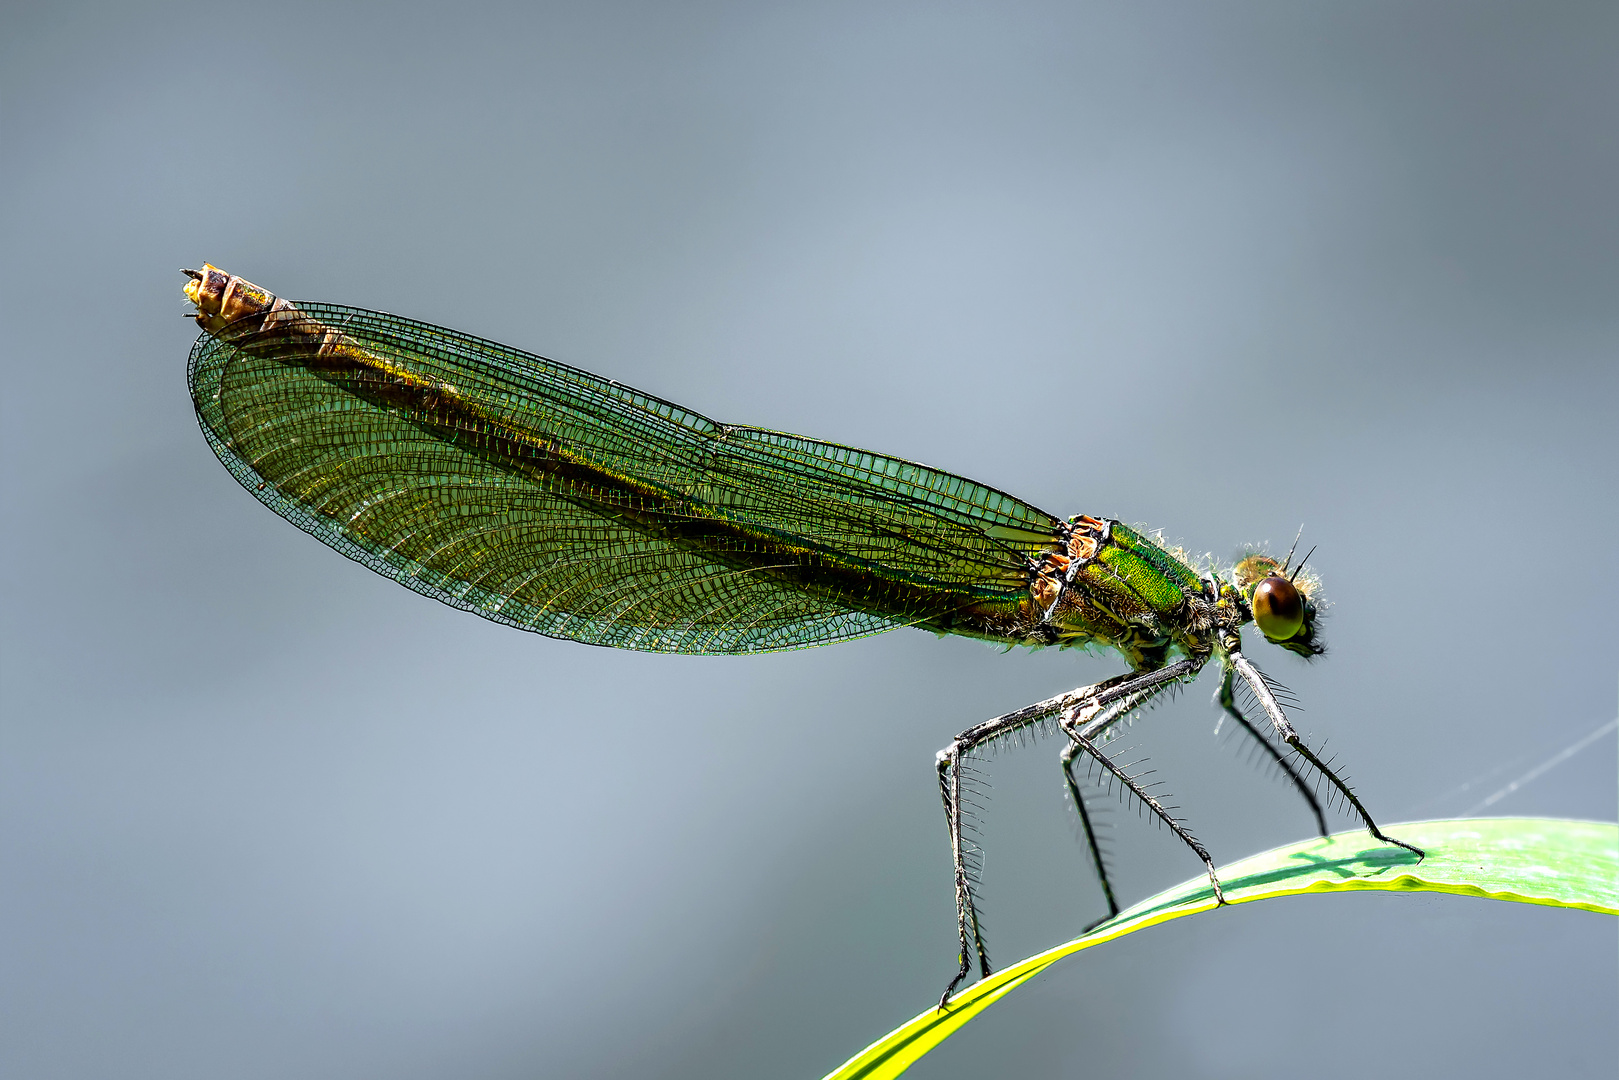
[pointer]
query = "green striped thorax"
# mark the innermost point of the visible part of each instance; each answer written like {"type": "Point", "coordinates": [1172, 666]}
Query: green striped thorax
{"type": "Point", "coordinates": [1112, 585]}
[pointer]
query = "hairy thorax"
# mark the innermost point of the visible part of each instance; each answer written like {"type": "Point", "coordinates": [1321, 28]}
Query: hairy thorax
{"type": "Point", "coordinates": [1103, 584]}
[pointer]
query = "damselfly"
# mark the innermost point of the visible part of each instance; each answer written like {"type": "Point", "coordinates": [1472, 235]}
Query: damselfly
{"type": "Point", "coordinates": [546, 498]}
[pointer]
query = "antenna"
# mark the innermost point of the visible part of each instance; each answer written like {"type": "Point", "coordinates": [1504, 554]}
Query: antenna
{"type": "Point", "coordinates": [1292, 549]}
{"type": "Point", "coordinates": [1294, 575]}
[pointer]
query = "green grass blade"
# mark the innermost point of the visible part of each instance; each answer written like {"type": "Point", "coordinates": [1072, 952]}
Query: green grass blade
{"type": "Point", "coordinates": [1573, 864]}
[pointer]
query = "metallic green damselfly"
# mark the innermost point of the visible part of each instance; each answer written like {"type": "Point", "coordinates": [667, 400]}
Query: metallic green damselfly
{"type": "Point", "coordinates": [541, 496]}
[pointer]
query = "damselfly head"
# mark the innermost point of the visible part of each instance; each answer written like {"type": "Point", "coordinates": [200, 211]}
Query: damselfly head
{"type": "Point", "coordinates": [1283, 605]}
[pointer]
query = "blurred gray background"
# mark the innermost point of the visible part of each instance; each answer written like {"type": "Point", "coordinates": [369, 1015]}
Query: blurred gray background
{"type": "Point", "coordinates": [1219, 268]}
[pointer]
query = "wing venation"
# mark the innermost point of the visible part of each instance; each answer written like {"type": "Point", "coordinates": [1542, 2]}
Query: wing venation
{"type": "Point", "coordinates": [542, 496]}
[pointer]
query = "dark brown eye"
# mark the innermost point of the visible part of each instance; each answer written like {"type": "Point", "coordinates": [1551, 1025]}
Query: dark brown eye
{"type": "Point", "coordinates": [1278, 608]}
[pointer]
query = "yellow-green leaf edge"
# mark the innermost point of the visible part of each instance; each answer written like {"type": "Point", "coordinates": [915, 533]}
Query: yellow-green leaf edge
{"type": "Point", "coordinates": [1571, 864]}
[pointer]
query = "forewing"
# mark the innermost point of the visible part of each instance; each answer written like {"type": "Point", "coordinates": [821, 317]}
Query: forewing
{"type": "Point", "coordinates": [598, 549]}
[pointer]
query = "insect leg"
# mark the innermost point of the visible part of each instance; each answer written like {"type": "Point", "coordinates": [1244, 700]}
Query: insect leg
{"type": "Point", "coordinates": [949, 767]}
{"type": "Point", "coordinates": [1273, 709]}
{"type": "Point", "coordinates": [1150, 803]}
{"type": "Point", "coordinates": [1068, 753]}
{"type": "Point", "coordinates": [1229, 704]}
{"type": "Point", "coordinates": [949, 763]}
{"type": "Point", "coordinates": [1086, 721]}
{"type": "Point", "coordinates": [1095, 727]}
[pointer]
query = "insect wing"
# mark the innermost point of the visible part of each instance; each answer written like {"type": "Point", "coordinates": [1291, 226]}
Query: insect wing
{"type": "Point", "coordinates": [542, 496]}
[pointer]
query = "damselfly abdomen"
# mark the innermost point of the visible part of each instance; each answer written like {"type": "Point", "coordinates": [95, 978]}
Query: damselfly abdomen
{"type": "Point", "coordinates": [541, 496]}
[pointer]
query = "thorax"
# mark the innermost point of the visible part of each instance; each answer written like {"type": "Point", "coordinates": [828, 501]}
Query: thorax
{"type": "Point", "coordinates": [1115, 587]}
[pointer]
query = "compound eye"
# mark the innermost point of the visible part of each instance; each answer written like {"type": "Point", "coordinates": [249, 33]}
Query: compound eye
{"type": "Point", "coordinates": [1278, 608]}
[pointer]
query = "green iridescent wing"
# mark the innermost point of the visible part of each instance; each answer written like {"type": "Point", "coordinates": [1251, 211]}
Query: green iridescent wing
{"type": "Point", "coordinates": [544, 497]}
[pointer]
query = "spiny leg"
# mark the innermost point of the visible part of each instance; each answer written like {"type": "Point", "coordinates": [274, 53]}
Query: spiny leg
{"type": "Point", "coordinates": [1068, 753]}
{"type": "Point", "coordinates": [949, 767]}
{"type": "Point", "coordinates": [1229, 704]}
{"type": "Point", "coordinates": [1100, 721]}
{"type": "Point", "coordinates": [1079, 728]}
{"type": "Point", "coordinates": [1273, 709]}
{"type": "Point", "coordinates": [949, 764]}
{"type": "Point", "coordinates": [970, 938]}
